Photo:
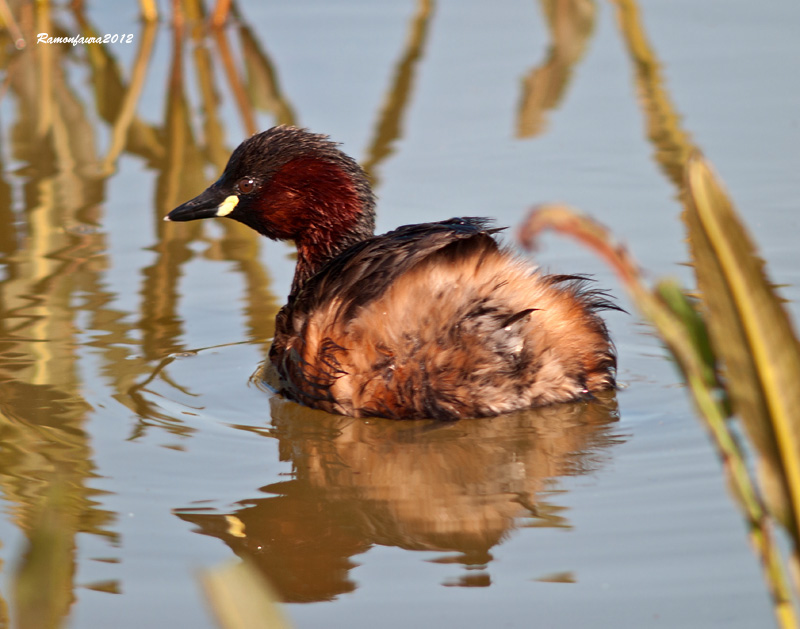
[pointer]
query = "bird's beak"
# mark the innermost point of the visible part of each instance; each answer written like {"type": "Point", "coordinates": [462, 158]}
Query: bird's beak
{"type": "Point", "coordinates": [208, 204]}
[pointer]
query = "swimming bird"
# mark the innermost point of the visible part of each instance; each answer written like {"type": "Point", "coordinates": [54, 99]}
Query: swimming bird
{"type": "Point", "coordinates": [435, 320]}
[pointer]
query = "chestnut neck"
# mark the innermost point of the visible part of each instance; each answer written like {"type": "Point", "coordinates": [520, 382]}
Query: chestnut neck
{"type": "Point", "coordinates": [317, 247]}
{"type": "Point", "coordinates": [324, 206]}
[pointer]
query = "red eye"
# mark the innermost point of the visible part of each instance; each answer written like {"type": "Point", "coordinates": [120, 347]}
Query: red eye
{"type": "Point", "coordinates": [246, 185]}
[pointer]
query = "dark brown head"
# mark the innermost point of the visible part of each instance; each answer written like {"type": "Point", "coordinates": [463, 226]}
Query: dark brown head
{"type": "Point", "coordinates": [291, 184]}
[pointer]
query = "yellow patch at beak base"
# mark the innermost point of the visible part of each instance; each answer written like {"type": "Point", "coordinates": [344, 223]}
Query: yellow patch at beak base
{"type": "Point", "coordinates": [227, 206]}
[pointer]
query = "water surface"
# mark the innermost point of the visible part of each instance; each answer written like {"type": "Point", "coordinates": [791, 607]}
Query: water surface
{"type": "Point", "coordinates": [127, 345]}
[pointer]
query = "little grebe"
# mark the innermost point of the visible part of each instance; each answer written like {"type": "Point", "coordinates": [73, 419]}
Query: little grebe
{"type": "Point", "coordinates": [427, 321]}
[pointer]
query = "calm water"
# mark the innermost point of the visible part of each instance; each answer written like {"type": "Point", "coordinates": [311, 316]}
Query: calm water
{"type": "Point", "coordinates": [127, 345]}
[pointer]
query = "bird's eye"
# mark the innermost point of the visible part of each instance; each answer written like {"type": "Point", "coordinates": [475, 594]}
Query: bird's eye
{"type": "Point", "coordinates": [246, 185]}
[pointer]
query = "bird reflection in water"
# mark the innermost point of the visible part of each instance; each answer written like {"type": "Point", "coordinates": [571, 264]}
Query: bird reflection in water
{"type": "Point", "coordinates": [457, 488]}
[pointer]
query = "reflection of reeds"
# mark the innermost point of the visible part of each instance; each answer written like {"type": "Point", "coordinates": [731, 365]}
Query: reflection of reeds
{"type": "Point", "coordinates": [261, 79]}
{"type": "Point", "coordinates": [47, 458]}
{"type": "Point", "coordinates": [389, 126]}
{"type": "Point", "coordinates": [127, 109]}
{"type": "Point", "coordinates": [149, 10]}
{"type": "Point", "coordinates": [45, 65]}
{"type": "Point", "coordinates": [10, 23]}
{"type": "Point", "coordinates": [571, 23]}
{"type": "Point", "coordinates": [213, 131]}
{"type": "Point", "coordinates": [672, 144]}
{"type": "Point", "coordinates": [235, 83]}
{"type": "Point", "coordinates": [43, 584]}
{"type": "Point", "coordinates": [55, 298]}
{"type": "Point", "coordinates": [55, 286]}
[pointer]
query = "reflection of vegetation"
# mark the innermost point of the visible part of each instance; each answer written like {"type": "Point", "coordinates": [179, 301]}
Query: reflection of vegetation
{"type": "Point", "coordinates": [738, 326]}
{"type": "Point", "coordinates": [54, 258]}
{"type": "Point", "coordinates": [458, 489]}
{"type": "Point", "coordinates": [44, 580]}
{"type": "Point", "coordinates": [48, 259]}
{"type": "Point", "coordinates": [389, 126]}
{"type": "Point", "coordinates": [55, 306]}
{"type": "Point", "coordinates": [672, 145]}
{"type": "Point", "coordinates": [571, 23]}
